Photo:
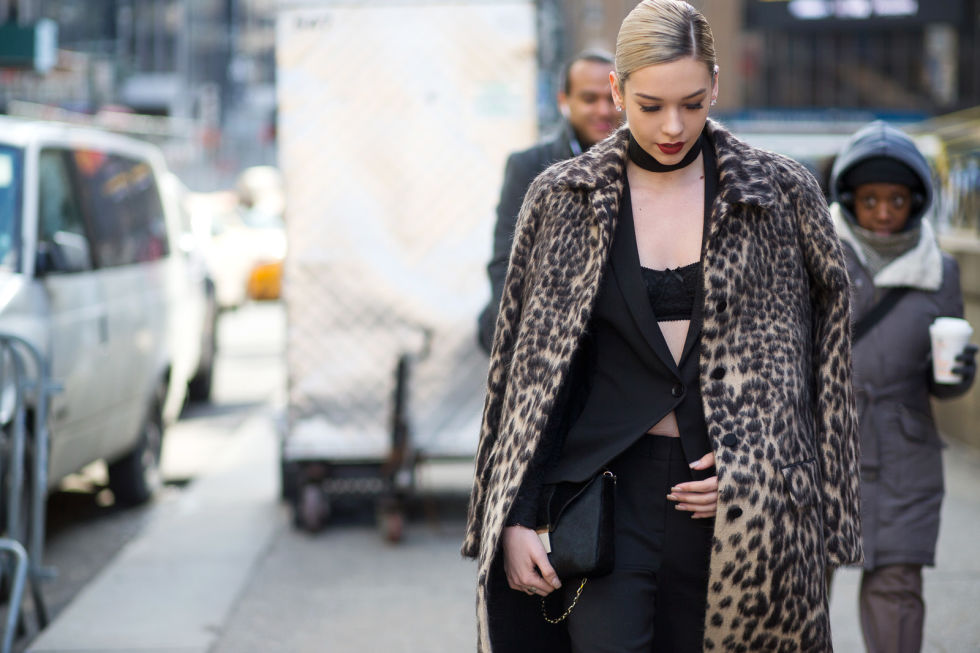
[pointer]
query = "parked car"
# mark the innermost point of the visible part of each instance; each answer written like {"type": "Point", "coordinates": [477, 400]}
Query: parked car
{"type": "Point", "coordinates": [193, 245]}
{"type": "Point", "coordinates": [93, 273]}
{"type": "Point", "coordinates": [268, 234]}
{"type": "Point", "coordinates": [245, 248]}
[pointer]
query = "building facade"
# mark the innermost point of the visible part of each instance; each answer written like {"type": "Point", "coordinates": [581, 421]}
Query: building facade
{"type": "Point", "coordinates": [204, 67]}
{"type": "Point", "coordinates": [917, 56]}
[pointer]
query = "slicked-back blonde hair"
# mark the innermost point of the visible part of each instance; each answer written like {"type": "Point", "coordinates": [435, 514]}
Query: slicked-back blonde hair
{"type": "Point", "coordinates": [661, 31]}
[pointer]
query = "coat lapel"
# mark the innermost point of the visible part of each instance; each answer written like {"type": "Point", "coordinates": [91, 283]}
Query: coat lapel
{"type": "Point", "coordinates": [711, 216]}
{"type": "Point", "coordinates": [742, 179]}
{"type": "Point", "coordinates": [629, 279]}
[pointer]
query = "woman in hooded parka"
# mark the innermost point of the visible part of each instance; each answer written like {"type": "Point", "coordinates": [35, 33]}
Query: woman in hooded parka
{"type": "Point", "coordinates": [881, 190]}
{"type": "Point", "coordinates": [676, 311]}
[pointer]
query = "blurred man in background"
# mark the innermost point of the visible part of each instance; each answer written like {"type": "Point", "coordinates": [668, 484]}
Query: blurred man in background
{"type": "Point", "coordinates": [589, 115]}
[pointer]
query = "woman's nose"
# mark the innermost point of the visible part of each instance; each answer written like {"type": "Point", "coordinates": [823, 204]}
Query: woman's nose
{"type": "Point", "coordinates": [672, 123]}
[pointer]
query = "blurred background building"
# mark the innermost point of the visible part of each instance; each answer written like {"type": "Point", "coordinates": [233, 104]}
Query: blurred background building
{"type": "Point", "coordinates": [894, 56]}
{"type": "Point", "coordinates": [203, 68]}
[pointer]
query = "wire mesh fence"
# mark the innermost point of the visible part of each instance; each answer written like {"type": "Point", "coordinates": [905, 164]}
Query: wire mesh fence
{"type": "Point", "coordinates": [395, 121]}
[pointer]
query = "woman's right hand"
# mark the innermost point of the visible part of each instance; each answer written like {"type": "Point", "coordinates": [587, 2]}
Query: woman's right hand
{"type": "Point", "coordinates": [526, 562]}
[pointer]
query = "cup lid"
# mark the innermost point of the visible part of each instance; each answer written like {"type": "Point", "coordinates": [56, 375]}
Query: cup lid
{"type": "Point", "coordinates": [952, 325]}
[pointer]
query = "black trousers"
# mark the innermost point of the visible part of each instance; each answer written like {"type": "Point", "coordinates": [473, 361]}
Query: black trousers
{"type": "Point", "coordinates": [654, 600]}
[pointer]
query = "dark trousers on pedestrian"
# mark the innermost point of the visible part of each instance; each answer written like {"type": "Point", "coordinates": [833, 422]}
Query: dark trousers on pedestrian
{"type": "Point", "coordinates": [654, 600]}
{"type": "Point", "coordinates": [892, 609]}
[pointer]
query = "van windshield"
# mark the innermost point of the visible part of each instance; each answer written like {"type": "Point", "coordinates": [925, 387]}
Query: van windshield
{"type": "Point", "coordinates": [10, 204]}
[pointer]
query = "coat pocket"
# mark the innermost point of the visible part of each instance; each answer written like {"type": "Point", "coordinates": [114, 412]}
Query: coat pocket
{"type": "Point", "coordinates": [802, 483]}
{"type": "Point", "coordinates": [918, 427]}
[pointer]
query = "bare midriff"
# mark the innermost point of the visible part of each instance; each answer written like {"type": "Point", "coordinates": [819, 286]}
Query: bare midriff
{"type": "Point", "coordinates": [675, 333]}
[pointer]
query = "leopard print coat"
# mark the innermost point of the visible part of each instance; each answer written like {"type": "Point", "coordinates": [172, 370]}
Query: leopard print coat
{"type": "Point", "coordinates": [775, 371]}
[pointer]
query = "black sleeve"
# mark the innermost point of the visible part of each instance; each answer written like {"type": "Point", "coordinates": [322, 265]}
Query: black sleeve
{"type": "Point", "coordinates": [524, 512]}
{"type": "Point", "coordinates": [518, 175]}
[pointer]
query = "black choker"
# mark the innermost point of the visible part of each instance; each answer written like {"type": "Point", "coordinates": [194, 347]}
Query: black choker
{"type": "Point", "coordinates": [645, 160]}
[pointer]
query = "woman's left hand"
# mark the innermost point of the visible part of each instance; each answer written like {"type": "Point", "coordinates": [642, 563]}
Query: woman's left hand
{"type": "Point", "coordinates": [698, 497]}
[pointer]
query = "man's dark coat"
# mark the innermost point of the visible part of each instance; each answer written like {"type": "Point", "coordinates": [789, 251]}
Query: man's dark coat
{"type": "Point", "coordinates": [521, 169]}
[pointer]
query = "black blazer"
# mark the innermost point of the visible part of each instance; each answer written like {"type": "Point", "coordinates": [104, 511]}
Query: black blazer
{"type": "Point", "coordinates": [608, 403]}
{"type": "Point", "coordinates": [635, 382]}
{"type": "Point", "coordinates": [522, 167]}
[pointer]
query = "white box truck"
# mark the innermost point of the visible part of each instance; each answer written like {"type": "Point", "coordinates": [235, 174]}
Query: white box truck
{"type": "Point", "coordinates": [395, 120]}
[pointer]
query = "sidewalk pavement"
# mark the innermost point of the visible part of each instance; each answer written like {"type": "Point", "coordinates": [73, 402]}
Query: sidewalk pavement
{"type": "Point", "coordinates": [223, 571]}
{"type": "Point", "coordinates": [952, 588]}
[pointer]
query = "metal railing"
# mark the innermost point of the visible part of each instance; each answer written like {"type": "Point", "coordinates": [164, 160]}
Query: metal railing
{"type": "Point", "coordinates": [25, 386]}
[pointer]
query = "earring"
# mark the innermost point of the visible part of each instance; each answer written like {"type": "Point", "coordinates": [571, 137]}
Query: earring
{"type": "Point", "coordinates": [714, 101]}
{"type": "Point", "coordinates": [618, 108]}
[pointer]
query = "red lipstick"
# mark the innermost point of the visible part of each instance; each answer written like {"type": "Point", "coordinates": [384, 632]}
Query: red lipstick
{"type": "Point", "coordinates": [671, 148]}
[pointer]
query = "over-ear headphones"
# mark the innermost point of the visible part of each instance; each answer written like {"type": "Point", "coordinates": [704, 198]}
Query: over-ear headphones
{"type": "Point", "coordinates": [918, 201]}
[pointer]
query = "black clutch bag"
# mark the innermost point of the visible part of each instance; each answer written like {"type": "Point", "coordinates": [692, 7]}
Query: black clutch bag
{"type": "Point", "coordinates": [579, 525]}
{"type": "Point", "coordinates": [578, 529]}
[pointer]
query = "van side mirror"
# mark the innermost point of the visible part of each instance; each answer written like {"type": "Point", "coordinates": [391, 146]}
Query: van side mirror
{"type": "Point", "coordinates": [66, 252]}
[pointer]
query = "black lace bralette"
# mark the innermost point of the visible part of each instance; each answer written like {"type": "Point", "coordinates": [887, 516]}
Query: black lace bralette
{"type": "Point", "coordinates": [672, 292]}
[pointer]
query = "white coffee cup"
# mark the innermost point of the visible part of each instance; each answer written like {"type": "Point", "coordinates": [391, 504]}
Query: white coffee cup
{"type": "Point", "coordinates": [950, 335]}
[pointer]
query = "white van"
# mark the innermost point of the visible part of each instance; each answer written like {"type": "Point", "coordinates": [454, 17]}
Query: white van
{"type": "Point", "coordinates": [93, 274]}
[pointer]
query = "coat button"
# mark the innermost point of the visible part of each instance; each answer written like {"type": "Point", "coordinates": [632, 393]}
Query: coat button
{"type": "Point", "coordinates": [718, 373]}
{"type": "Point", "coordinates": [734, 513]}
{"type": "Point", "coordinates": [678, 390]}
{"type": "Point", "coordinates": [729, 440]}
{"type": "Point", "coordinates": [721, 306]}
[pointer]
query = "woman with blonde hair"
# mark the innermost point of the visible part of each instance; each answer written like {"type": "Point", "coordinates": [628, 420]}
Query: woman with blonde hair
{"type": "Point", "coordinates": [675, 313]}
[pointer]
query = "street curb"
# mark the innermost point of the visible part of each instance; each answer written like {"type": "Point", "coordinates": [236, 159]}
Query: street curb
{"type": "Point", "coordinates": [172, 588]}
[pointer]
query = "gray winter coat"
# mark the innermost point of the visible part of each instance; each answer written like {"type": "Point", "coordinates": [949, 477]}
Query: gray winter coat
{"type": "Point", "coordinates": [901, 461]}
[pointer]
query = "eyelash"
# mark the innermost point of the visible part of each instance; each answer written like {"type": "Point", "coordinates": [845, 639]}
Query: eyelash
{"type": "Point", "coordinates": [691, 107]}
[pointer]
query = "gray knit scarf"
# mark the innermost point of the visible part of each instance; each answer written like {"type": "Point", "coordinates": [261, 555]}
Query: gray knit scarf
{"type": "Point", "coordinates": [879, 250]}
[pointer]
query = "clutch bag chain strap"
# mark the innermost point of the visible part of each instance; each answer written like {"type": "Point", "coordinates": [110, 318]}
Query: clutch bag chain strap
{"type": "Point", "coordinates": [568, 611]}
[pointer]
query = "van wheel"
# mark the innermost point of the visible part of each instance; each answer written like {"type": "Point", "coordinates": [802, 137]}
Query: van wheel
{"type": "Point", "coordinates": [136, 476]}
{"type": "Point", "coordinates": [289, 480]}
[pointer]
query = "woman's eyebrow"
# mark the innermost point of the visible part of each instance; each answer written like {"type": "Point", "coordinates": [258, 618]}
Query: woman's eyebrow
{"type": "Point", "coordinates": [656, 99]}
